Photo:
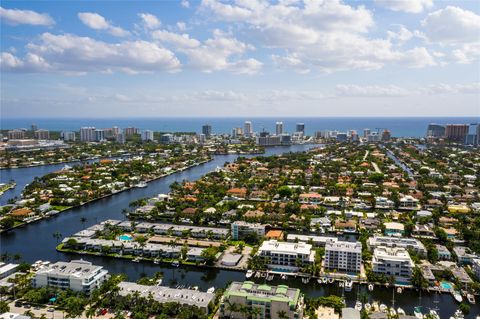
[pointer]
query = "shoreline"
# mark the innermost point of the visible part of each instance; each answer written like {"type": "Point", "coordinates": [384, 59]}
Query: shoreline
{"type": "Point", "coordinates": [105, 196]}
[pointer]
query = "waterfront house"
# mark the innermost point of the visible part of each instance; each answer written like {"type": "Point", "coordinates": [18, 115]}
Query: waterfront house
{"type": "Point", "coordinates": [286, 256]}
{"type": "Point", "coordinates": [464, 254]}
{"type": "Point", "coordinates": [394, 229]}
{"type": "Point", "coordinates": [393, 261]}
{"type": "Point", "coordinates": [443, 252]}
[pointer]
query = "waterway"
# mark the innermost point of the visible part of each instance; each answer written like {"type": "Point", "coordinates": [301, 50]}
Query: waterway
{"type": "Point", "coordinates": [35, 241]}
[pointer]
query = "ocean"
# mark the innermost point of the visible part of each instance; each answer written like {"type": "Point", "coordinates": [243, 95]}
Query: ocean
{"type": "Point", "coordinates": [399, 126]}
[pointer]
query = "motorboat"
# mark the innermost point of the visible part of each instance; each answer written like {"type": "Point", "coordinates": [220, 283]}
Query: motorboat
{"type": "Point", "coordinates": [211, 290]}
{"type": "Point", "coordinates": [330, 280]}
{"type": "Point", "coordinates": [370, 287]}
{"type": "Point", "coordinates": [392, 312]}
{"type": "Point", "coordinates": [175, 263]}
{"type": "Point", "coordinates": [319, 280]}
{"type": "Point", "coordinates": [375, 306]}
{"type": "Point", "coordinates": [141, 185]}
{"type": "Point", "coordinates": [471, 298]}
{"type": "Point", "coordinates": [367, 306]}
{"type": "Point", "coordinates": [156, 261]}
{"type": "Point", "coordinates": [136, 260]}
{"type": "Point", "coordinates": [306, 280]}
{"type": "Point", "coordinates": [348, 285]}
{"type": "Point", "coordinates": [324, 280]}
{"type": "Point", "coordinates": [400, 311]}
{"type": "Point", "coordinates": [341, 284]}
{"type": "Point", "coordinates": [456, 294]}
{"type": "Point", "coordinates": [383, 308]}
{"type": "Point", "coordinates": [249, 274]}
{"type": "Point", "coordinates": [417, 311]}
{"type": "Point", "coordinates": [434, 314]}
{"type": "Point", "coordinates": [399, 290]}
{"type": "Point", "coordinates": [358, 306]}
{"type": "Point", "coordinates": [457, 315]}
{"type": "Point", "coordinates": [270, 277]}
{"type": "Point", "coordinates": [283, 276]}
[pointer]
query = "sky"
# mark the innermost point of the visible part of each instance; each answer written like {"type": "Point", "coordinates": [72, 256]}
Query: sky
{"type": "Point", "coordinates": [240, 58]}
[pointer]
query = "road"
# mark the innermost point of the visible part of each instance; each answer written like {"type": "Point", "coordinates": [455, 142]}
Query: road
{"type": "Point", "coordinates": [55, 314]}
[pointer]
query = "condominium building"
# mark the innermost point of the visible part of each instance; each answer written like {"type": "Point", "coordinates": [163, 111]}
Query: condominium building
{"type": "Point", "coordinates": [393, 261]}
{"type": "Point", "coordinates": [435, 130]}
{"type": "Point", "coordinates": [343, 256]}
{"type": "Point", "coordinates": [456, 132]}
{"type": "Point", "coordinates": [300, 127]}
{"type": "Point", "coordinates": [163, 294]}
{"type": "Point", "coordinates": [147, 135]}
{"type": "Point", "coordinates": [68, 136]}
{"type": "Point", "coordinates": [279, 128]}
{"type": "Point", "coordinates": [16, 135]}
{"type": "Point", "coordinates": [247, 129]}
{"type": "Point", "coordinates": [77, 275]}
{"type": "Point", "coordinates": [130, 131]}
{"type": "Point", "coordinates": [99, 135]}
{"type": "Point", "coordinates": [476, 267]}
{"type": "Point", "coordinates": [286, 257]}
{"type": "Point", "coordinates": [42, 134]}
{"type": "Point", "coordinates": [87, 134]}
{"type": "Point", "coordinates": [275, 302]}
{"type": "Point", "coordinates": [207, 130]}
{"type": "Point", "coordinates": [240, 229]}
{"type": "Point", "coordinates": [406, 243]}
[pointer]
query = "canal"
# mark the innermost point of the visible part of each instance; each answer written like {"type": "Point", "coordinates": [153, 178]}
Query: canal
{"type": "Point", "coordinates": [35, 241]}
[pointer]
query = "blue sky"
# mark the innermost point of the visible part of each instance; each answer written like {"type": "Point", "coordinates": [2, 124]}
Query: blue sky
{"type": "Point", "coordinates": [240, 58]}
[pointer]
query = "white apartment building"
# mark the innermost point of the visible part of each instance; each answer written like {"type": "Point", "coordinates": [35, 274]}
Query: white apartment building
{"type": "Point", "coordinates": [241, 228]}
{"type": "Point", "coordinates": [147, 135]}
{"type": "Point", "coordinates": [87, 134]}
{"type": "Point", "coordinates": [393, 261]}
{"type": "Point", "coordinates": [383, 203]}
{"type": "Point", "coordinates": [286, 257]}
{"type": "Point", "coordinates": [476, 267]}
{"type": "Point", "coordinates": [409, 202]}
{"type": "Point", "coordinates": [343, 256]}
{"type": "Point", "coordinates": [406, 243]}
{"type": "Point", "coordinates": [77, 275]}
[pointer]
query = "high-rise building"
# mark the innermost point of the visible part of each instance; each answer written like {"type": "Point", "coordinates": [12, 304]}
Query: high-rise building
{"type": "Point", "coordinates": [68, 136]}
{"type": "Point", "coordinates": [34, 127]}
{"type": "Point", "coordinates": [16, 134]}
{"type": "Point", "coordinates": [300, 127]}
{"type": "Point", "coordinates": [456, 132]}
{"type": "Point", "coordinates": [130, 131]}
{"type": "Point", "coordinates": [42, 134]}
{"type": "Point", "coordinates": [166, 138]}
{"type": "Point", "coordinates": [343, 256]}
{"type": "Point", "coordinates": [279, 128]}
{"type": "Point", "coordinates": [116, 130]}
{"type": "Point", "coordinates": [247, 129]}
{"type": "Point", "coordinates": [285, 256]}
{"type": "Point", "coordinates": [87, 134]}
{"type": "Point", "coordinates": [393, 261]}
{"type": "Point", "coordinates": [472, 137]}
{"type": "Point", "coordinates": [120, 138]}
{"type": "Point", "coordinates": [265, 139]}
{"type": "Point", "coordinates": [99, 135]}
{"type": "Point", "coordinates": [435, 130]}
{"type": "Point", "coordinates": [366, 132]}
{"type": "Point", "coordinates": [274, 302]}
{"type": "Point", "coordinates": [147, 135]}
{"type": "Point", "coordinates": [207, 130]}
{"type": "Point", "coordinates": [386, 135]}
{"type": "Point", "coordinates": [237, 132]}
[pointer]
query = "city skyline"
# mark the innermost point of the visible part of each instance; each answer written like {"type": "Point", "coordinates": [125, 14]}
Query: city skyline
{"type": "Point", "coordinates": [212, 58]}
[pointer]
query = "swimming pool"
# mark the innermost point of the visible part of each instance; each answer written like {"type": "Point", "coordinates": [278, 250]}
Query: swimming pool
{"type": "Point", "coordinates": [125, 237]}
{"type": "Point", "coordinates": [446, 285]}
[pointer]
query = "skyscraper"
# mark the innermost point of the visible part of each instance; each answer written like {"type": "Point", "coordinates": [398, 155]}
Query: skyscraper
{"type": "Point", "coordinates": [435, 130]}
{"type": "Point", "coordinates": [87, 134]}
{"type": "Point", "coordinates": [456, 132]}
{"type": "Point", "coordinates": [300, 127]}
{"type": "Point", "coordinates": [366, 132]}
{"type": "Point", "coordinates": [147, 135]}
{"type": "Point", "coordinates": [207, 130]}
{"type": "Point", "coordinates": [248, 132]}
{"type": "Point", "coordinates": [279, 128]}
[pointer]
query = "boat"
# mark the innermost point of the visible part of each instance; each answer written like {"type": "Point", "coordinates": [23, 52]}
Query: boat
{"type": "Point", "coordinates": [249, 274]}
{"type": "Point", "coordinates": [324, 280]}
{"type": "Point", "coordinates": [156, 261]}
{"type": "Point", "coordinates": [456, 294]}
{"type": "Point", "coordinates": [370, 287]}
{"type": "Point", "coordinates": [348, 285]}
{"type": "Point", "coordinates": [141, 185]}
{"type": "Point", "coordinates": [399, 290]}
{"type": "Point", "coordinates": [434, 314]}
{"type": "Point", "coordinates": [263, 274]}
{"type": "Point", "coordinates": [471, 298]}
{"type": "Point", "coordinates": [330, 280]}
{"type": "Point", "coordinates": [175, 263]}
{"type": "Point", "coordinates": [400, 311]}
{"type": "Point", "coordinates": [358, 306]}
{"type": "Point", "coordinates": [457, 315]}
{"type": "Point", "coordinates": [375, 306]}
{"type": "Point", "coordinates": [418, 313]}
{"type": "Point", "coordinates": [258, 274]}
{"type": "Point", "coordinates": [392, 312]}
{"type": "Point", "coordinates": [320, 281]}
{"type": "Point", "coordinates": [283, 276]}
{"type": "Point", "coordinates": [270, 277]}
{"type": "Point", "coordinates": [195, 288]}
{"type": "Point", "coordinates": [136, 260]}
{"type": "Point", "coordinates": [211, 290]}
{"type": "Point", "coordinates": [383, 308]}
{"type": "Point", "coordinates": [306, 280]}
{"type": "Point", "coordinates": [367, 306]}
{"type": "Point", "coordinates": [341, 284]}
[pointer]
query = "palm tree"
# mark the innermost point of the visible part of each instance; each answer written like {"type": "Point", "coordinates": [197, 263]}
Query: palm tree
{"type": "Point", "coordinates": [282, 314]}
{"type": "Point", "coordinates": [90, 312]}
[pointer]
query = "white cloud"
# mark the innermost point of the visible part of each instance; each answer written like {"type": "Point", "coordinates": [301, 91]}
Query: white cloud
{"type": "Point", "coordinates": [185, 4]}
{"type": "Point", "coordinates": [16, 17]}
{"type": "Point", "coordinates": [98, 22]}
{"type": "Point", "coordinates": [73, 54]}
{"type": "Point", "coordinates": [410, 6]}
{"type": "Point", "coordinates": [452, 25]}
{"type": "Point", "coordinates": [325, 36]}
{"type": "Point", "coordinates": [149, 21]}
{"type": "Point", "coordinates": [177, 40]}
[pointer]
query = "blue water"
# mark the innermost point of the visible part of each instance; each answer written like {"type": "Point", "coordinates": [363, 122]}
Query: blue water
{"type": "Point", "coordinates": [399, 126]}
{"type": "Point", "coordinates": [125, 237]}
